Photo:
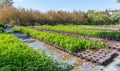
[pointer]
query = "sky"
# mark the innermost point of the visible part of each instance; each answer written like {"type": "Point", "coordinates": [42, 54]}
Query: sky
{"type": "Point", "coordinates": [68, 5]}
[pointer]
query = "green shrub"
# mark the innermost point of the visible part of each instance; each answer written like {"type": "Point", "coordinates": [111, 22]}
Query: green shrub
{"type": "Point", "coordinates": [93, 33]}
{"type": "Point", "coordinates": [2, 25]}
{"type": "Point", "coordinates": [116, 18]}
{"type": "Point", "coordinates": [99, 18]}
{"type": "Point", "coordinates": [16, 56]}
{"type": "Point", "coordinates": [1, 30]}
{"type": "Point", "coordinates": [67, 42]}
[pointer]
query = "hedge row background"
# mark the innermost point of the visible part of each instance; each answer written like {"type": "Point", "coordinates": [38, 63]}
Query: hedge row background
{"type": "Point", "coordinates": [21, 16]}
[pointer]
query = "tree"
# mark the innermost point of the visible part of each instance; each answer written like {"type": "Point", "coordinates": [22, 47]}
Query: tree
{"type": "Point", "coordinates": [118, 1]}
{"type": "Point", "coordinates": [4, 3]}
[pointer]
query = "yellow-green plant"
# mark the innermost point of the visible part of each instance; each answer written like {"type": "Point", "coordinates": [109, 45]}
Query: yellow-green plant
{"type": "Point", "coordinates": [16, 56]}
{"type": "Point", "coordinates": [67, 42]}
{"type": "Point", "coordinates": [93, 33]}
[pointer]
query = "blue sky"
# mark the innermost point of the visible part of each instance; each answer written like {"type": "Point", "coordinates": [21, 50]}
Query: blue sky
{"type": "Point", "coordinates": [69, 5]}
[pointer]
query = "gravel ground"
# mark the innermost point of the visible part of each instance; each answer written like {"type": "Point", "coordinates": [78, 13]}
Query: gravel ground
{"type": "Point", "coordinates": [79, 64]}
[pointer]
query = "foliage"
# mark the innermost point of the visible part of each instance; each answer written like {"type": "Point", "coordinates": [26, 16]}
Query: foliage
{"type": "Point", "coordinates": [1, 27]}
{"type": "Point", "coordinates": [21, 16]}
{"type": "Point", "coordinates": [4, 3]}
{"type": "Point", "coordinates": [16, 56]}
{"type": "Point", "coordinates": [94, 33]}
{"type": "Point", "coordinates": [116, 18]}
{"type": "Point", "coordinates": [1, 30]}
{"type": "Point", "coordinates": [67, 42]}
{"type": "Point", "coordinates": [118, 1]}
{"type": "Point", "coordinates": [99, 18]}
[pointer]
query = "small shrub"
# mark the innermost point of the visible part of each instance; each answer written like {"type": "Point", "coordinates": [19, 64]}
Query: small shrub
{"type": "Point", "coordinates": [116, 18]}
{"type": "Point", "coordinates": [16, 56]}
{"type": "Point", "coordinates": [99, 18]}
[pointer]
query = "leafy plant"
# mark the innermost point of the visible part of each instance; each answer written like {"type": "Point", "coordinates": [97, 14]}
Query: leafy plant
{"type": "Point", "coordinates": [16, 56]}
{"type": "Point", "coordinates": [67, 42]}
{"type": "Point", "coordinates": [116, 17]}
{"type": "Point", "coordinates": [99, 18]}
{"type": "Point", "coordinates": [1, 27]}
{"type": "Point", "coordinates": [93, 33]}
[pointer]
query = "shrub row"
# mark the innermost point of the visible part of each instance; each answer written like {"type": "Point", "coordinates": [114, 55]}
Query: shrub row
{"type": "Point", "coordinates": [21, 16]}
{"type": "Point", "coordinates": [16, 56]}
{"type": "Point", "coordinates": [94, 33]}
{"type": "Point", "coordinates": [67, 42]}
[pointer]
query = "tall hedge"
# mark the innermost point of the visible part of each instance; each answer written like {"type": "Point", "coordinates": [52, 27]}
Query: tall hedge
{"type": "Point", "coordinates": [21, 16]}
